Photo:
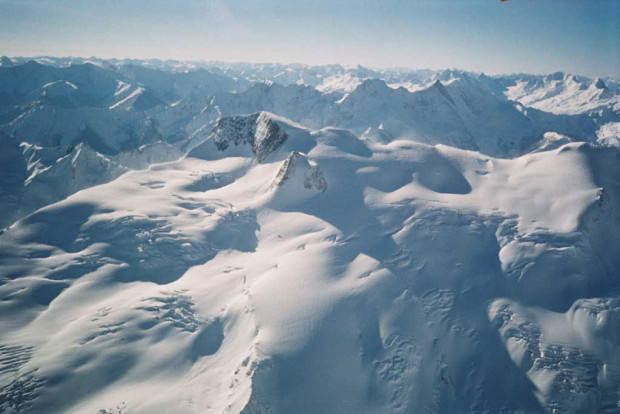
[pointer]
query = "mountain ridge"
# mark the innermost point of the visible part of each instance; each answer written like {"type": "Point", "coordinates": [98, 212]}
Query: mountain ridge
{"type": "Point", "coordinates": [251, 238]}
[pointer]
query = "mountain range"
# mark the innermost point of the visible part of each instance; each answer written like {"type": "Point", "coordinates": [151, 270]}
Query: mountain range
{"type": "Point", "coordinates": [266, 238]}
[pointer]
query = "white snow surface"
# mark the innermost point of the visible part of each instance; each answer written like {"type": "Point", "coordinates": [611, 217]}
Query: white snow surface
{"type": "Point", "coordinates": [346, 82]}
{"type": "Point", "coordinates": [609, 134]}
{"type": "Point", "coordinates": [177, 240]}
{"type": "Point", "coordinates": [564, 94]}
{"type": "Point", "coordinates": [360, 277]}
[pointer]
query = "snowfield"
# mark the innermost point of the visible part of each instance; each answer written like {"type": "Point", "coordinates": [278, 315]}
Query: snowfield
{"type": "Point", "coordinates": [330, 245]}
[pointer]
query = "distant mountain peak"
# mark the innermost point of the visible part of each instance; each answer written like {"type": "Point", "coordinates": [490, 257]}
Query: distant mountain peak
{"type": "Point", "coordinates": [599, 84]}
{"type": "Point", "coordinates": [557, 75]}
{"type": "Point", "coordinates": [437, 84]}
{"type": "Point", "coordinates": [374, 85]}
{"type": "Point", "coordinates": [6, 62]}
{"type": "Point", "coordinates": [441, 88]}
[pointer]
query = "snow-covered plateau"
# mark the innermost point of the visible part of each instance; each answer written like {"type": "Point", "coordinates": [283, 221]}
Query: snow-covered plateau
{"type": "Point", "coordinates": [191, 237]}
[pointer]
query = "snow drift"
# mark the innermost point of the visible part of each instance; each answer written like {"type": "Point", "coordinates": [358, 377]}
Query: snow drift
{"type": "Point", "coordinates": [279, 249]}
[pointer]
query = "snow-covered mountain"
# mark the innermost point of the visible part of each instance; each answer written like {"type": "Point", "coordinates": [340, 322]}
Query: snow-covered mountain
{"type": "Point", "coordinates": [35, 176]}
{"type": "Point", "coordinates": [122, 105]}
{"type": "Point", "coordinates": [565, 94]}
{"type": "Point", "coordinates": [110, 109]}
{"type": "Point", "coordinates": [239, 238]}
{"type": "Point", "coordinates": [462, 113]}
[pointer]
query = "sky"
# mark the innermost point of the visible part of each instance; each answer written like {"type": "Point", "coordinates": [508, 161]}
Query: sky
{"type": "Point", "coordinates": [534, 36]}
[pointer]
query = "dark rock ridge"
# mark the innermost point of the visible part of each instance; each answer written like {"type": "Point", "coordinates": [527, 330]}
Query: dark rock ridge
{"type": "Point", "coordinates": [298, 164]}
{"type": "Point", "coordinates": [258, 130]}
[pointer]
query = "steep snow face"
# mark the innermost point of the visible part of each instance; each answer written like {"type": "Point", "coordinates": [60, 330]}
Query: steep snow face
{"type": "Point", "coordinates": [138, 98]}
{"type": "Point", "coordinates": [346, 83]}
{"type": "Point", "coordinates": [464, 113]}
{"type": "Point", "coordinates": [353, 276]}
{"type": "Point", "coordinates": [36, 176]}
{"type": "Point", "coordinates": [106, 131]}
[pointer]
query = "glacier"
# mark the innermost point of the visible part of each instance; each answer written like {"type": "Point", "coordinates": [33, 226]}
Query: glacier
{"type": "Point", "coordinates": [211, 237]}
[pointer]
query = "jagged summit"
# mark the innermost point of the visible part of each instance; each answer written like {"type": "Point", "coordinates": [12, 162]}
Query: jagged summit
{"type": "Point", "coordinates": [441, 89]}
{"type": "Point", "coordinates": [599, 84]}
{"type": "Point", "coordinates": [297, 172]}
{"type": "Point", "coordinates": [567, 94]}
{"type": "Point", "coordinates": [258, 132]}
{"type": "Point", "coordinates": [261, 134]}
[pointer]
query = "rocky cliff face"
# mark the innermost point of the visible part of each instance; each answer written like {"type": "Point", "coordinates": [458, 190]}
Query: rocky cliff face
{"type": "Point", "coordinates": [298, 170]}
{"type": "Point", "coordinates": [260, 131]}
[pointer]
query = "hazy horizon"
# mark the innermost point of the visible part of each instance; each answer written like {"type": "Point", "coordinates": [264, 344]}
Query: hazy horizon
{"type": "Point", "coordinates": [517, 36]}
{"type": "Point", "coordinates": [345, 66]}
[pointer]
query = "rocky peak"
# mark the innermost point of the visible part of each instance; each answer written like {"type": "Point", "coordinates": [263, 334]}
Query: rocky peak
{"type": "Point", "coordinates": [259, 130]}
{"type": "Point", "coordinates": [297, 169]}
{"type": "Point", "coordinates": [599, 84]}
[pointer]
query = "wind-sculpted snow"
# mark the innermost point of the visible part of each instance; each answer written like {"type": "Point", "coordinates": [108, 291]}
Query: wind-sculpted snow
{"type": "Point", "coordinates": [180, 239]}
{"type": "Point", "coordinates": [333, 274]}
{"type": "Point", "coordinates": [572, 374]}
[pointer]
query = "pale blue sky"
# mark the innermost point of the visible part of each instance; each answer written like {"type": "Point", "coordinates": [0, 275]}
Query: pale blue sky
{"type": "Point", "coordinates": [538, 36]}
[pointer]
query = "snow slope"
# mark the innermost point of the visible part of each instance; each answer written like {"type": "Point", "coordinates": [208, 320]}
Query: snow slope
{"type": "Point", "coordinates": [35, 176]}
{"type": "Point", "coordinates": [199, 237]}
{"type": "Point", "coordinates": [352, 277]}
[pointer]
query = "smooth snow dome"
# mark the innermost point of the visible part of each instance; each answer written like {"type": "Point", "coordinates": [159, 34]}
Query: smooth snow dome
{"type": "Point", "coordinates": [200, 237]}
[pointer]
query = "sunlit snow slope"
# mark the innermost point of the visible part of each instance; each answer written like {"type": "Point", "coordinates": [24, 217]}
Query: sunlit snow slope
{"type": "Point", "coordinates": [195, 242]}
